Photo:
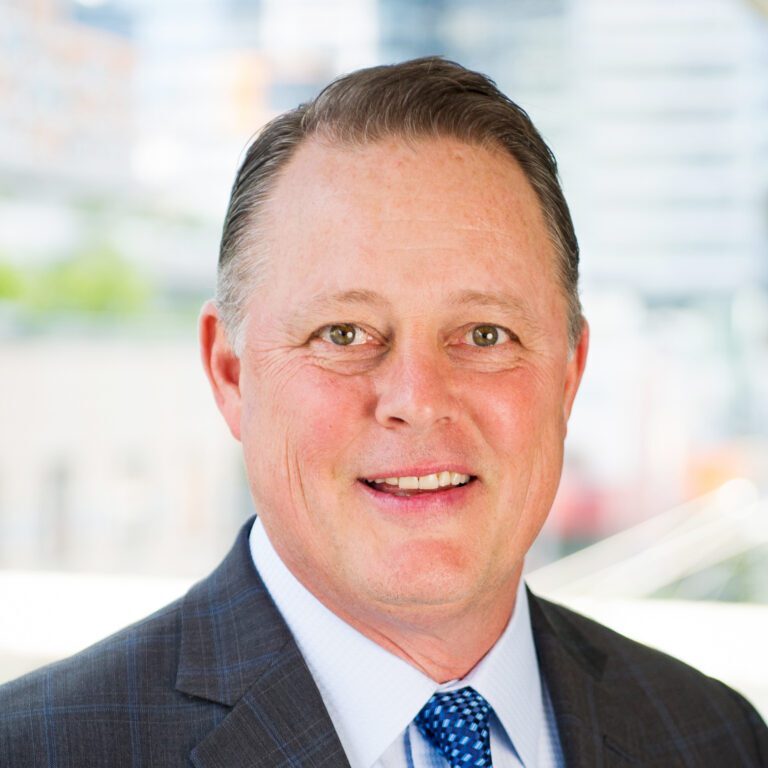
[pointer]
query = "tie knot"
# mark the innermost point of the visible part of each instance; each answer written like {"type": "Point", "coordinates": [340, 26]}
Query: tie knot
{"type": "Point", "coordinates": [457, 723]}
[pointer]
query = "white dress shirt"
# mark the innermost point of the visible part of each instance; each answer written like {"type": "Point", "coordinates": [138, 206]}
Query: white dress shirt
{"type": "Point", "coordinates": [372, 696]}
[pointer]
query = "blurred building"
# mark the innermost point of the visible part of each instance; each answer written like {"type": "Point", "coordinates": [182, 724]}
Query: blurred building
{"type": "Point", "coordinates": [667, 172]}
{"type": "Point", "coordinates": [311, 43]}
{"type": "Point", "coordinates": [113, 457]}
{"type": "Point", "coordinates": [201, 89]}
{"type": "Point", "coordinates": [64, 116]}
{"type": "Point", "coordinates": [671, 105]}
{"type": "Point", "coordinates": [66, 124]}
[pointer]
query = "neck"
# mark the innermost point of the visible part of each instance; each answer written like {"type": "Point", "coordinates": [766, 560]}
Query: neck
{"type": "Point", "coordinates": [444, 642]}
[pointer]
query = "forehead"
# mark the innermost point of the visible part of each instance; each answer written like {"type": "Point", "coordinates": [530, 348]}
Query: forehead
{"type": "Point", "coordinates": [391, 214]}
{"type": "Point", "coordinates": [439, 175]}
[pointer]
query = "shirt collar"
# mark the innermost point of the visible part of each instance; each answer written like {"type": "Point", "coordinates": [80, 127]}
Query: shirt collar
{"type": "Point", "coordinates": [508, 677]}
{"type": "Point", "coordinates": [372, 695]}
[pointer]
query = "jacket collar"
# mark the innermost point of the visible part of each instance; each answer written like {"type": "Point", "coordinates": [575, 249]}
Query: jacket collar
{"type": "Point", "coordinates": [592, 716]}
{"type": "Point", "coordinates": [237, 651]}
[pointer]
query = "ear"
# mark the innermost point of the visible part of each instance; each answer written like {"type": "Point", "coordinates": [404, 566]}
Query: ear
{"type": "Point", "coordinates": [575, 370]}
{"type": "Point", "coordinates": [222, 366]}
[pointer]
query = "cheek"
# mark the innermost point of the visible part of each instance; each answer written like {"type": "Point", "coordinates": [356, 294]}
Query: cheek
{"type": "Point", "coordinates": [525, 431]}
{"type": "Point", "coordinates": [331, 412]}
{"type": "Point", "coordinates": [519, 411]}
{"type": "Point", "coordinates": [309, 415]}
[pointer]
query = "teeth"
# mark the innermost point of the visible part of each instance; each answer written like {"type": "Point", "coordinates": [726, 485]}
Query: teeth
{"type": "Point", "coordinates": [457, 479]}
{"type": "Point", "coordinates": [425, 482]}
{"type": "Point", "coordinates": [428, 483]}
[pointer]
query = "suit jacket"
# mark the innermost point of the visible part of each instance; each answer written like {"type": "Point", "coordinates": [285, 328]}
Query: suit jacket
{"type": "Point", "coordinates": [215, 680]}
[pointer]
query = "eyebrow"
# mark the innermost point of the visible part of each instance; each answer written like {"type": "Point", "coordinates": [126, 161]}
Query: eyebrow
{"type": "Point", "coordinates": [501, 301]}
{"type": "Point", "coordinates": [339, 300]}
{"type": "Point", "coordinates": [352, 297]}
{"type": "Point", "coordinates": [466, 298]}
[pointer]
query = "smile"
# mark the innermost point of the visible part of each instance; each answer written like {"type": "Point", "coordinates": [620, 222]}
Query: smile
{"type": "Point", "coordinates": [431, 482]}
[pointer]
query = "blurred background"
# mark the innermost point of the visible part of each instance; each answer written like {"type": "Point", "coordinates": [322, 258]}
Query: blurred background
{"type": "Point", "coordinates": [122, 123]}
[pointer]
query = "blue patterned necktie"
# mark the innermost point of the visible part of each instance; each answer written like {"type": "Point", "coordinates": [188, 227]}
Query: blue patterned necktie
{"type": "Point", "coordinates": [457, 723]}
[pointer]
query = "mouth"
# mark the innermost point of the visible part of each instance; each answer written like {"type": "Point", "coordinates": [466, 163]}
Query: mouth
{"type": "Point", "coordinates": [440, 482]}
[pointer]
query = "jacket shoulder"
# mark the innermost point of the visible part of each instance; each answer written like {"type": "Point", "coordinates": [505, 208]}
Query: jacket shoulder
{"type": "Point", "coordinates": [93, 708]}
{"type": "Point", "coordinates": [80, 675]}
{"type": "Point", "coordinates": [602, 641]}
{"type": "Point", "coordinates": [660, 693]}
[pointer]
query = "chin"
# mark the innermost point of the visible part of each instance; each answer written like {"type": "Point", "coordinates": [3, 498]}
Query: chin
{"type": "Point", "coordinates": [439, 576]}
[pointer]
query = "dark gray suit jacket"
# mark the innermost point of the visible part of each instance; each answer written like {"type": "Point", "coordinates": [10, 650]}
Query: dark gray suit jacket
{"type": "Point", "coordinates": [215, 680]}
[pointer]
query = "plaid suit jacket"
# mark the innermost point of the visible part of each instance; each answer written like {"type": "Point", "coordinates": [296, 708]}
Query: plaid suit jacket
{"type": "Point", "coordinates": [215, 680]}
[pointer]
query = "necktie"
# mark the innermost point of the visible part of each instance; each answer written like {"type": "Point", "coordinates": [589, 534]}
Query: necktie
{"type": "Point", "coordinates": [457, 723]}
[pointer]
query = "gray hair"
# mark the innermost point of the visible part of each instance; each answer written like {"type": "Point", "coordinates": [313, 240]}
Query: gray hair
{"type": "Point", "coordinates": [422, 98]}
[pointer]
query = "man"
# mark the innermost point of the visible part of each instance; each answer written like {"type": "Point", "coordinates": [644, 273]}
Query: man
{"type": "Point", "coordinates": [397, 342]}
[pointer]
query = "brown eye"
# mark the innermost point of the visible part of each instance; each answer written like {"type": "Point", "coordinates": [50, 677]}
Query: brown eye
{"type": "Point", "coordinates": [342, 334]}
{"type": "Point", "coordinates": [485, 335]}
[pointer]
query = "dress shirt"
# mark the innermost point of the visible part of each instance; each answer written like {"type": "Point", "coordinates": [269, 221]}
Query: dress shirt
{"type": "Point", "coordinates": [372, 696]}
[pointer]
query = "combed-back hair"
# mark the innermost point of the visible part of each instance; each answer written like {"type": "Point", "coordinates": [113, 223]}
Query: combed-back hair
{"type": "Point", "coordinates": [419, 99]}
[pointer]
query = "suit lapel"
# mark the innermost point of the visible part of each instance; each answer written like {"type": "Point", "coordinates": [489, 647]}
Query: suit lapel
{"type": "Point", "coordinates": [280, 721]}
{"type": "Point", "coordinates": [594, 720]}
{"type": "Point", "coordinates": [237, 651]}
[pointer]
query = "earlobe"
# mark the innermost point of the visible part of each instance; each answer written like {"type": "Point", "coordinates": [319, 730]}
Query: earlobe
{"type": "Point", "coordinates": [575, 371]}
{"type": "Point", "coordinates": [222, 366]}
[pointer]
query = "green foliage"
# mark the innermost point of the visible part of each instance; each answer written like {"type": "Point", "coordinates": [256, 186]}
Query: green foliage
{"type": "Point", "coordinates": [95, 280]}
{"type": "Point", "coordinates": [92, 281]}
{"type": "Point", "coordinates": [12, 283]}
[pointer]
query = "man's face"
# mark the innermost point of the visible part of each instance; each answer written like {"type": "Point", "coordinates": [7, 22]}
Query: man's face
{"type": "Point", "coordinates": [409, 325]}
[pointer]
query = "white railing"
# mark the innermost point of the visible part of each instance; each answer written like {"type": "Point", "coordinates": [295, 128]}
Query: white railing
{"type": "Point", "coordinates": [639, 561]}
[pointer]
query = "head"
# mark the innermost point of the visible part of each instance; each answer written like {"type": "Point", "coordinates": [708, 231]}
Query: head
{"type": "Point", "coordinates": [397, 306]}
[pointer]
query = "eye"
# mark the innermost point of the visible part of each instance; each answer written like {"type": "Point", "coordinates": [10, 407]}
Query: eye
{"type": "Point", "coordinates": [343, 334]}
{"type": "Point", "coordinates": [487, 335]}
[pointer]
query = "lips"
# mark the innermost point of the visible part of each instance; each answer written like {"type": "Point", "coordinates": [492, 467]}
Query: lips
{"type": "Point", "coordinates": [406, 485]}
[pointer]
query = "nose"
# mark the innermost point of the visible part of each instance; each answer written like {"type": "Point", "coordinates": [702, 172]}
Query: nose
{"type": "Point", "coordinates": [415, 389]}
